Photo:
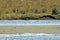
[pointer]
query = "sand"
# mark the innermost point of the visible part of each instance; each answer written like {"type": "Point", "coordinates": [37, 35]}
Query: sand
{"type": "Point", "coordinates": [29, 29]}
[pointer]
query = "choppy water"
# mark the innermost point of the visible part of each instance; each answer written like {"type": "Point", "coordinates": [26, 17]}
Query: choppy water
{"type": "Point", "coordinates": [28, 22]}
{"type": "Point", "coordinates": [30, 36]}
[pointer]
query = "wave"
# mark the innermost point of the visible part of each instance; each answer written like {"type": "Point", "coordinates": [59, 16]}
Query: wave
{"type": "Point", "coordinates": [30, 36]}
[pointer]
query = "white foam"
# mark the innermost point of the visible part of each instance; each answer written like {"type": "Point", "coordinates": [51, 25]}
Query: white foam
{"type": "Point", "coordinates": [30, 36]}
{"type": "Point", "coordinates": [28, 22]}
{"type": "Point", "coordinates": [27, 34]}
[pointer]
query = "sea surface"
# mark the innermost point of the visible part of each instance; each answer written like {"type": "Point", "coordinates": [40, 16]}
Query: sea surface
{"type": "Point", "coordinates": [30, 36]}
{"type": "Point", "coordinates": [28, 22]}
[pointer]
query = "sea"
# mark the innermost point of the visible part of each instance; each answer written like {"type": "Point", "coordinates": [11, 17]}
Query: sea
{"type": "Point", "coordinates": [28, 22]}
{"type": "Point", "coordinates": [30, 36]}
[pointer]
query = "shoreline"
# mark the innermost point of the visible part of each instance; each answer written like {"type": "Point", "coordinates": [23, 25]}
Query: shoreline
{"type": "Point", "coordinates": [31, 29]}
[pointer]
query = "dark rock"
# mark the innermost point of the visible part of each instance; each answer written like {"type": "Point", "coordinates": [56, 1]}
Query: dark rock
{"type": "Point", "coordinates": [54, 11]}
{"type": "Point", "coordinates": [35, 11]}
{"type": "Point", "coordinates": [50, 17]}
{"type": "Point", "coordinates": [43, 10]}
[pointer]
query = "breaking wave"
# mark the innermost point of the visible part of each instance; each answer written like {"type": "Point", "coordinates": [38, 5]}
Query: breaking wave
{"type": "Point", "coordinates": [30, 36]}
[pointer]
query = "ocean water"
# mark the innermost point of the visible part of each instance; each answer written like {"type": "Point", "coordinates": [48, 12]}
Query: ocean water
{"type": "Point", "coordinates": [30, 36]}
{"type": "Point", "coordinates": [28, 22]}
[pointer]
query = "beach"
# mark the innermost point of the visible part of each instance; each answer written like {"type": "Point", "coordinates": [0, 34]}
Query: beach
{"type": "Point", "coordinates": [50, 29]}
